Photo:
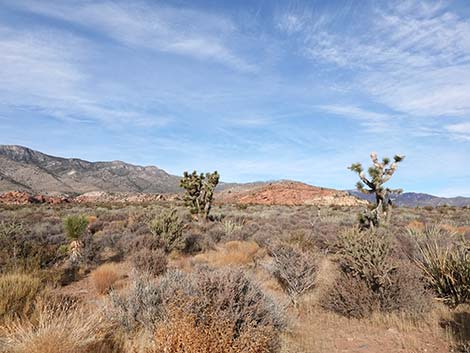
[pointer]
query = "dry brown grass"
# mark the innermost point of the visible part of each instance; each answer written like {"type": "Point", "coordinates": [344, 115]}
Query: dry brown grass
{"type": "Point", "coordinates": [18, 293]}
{"type": "Point", "coordinates": [54, 331]}
{"type": "Point", "coordinates": [232, 253]}
{"type": "Point", "coordinates": [315, 330]}
{"type": "Point", "coordinates": [105, 277]}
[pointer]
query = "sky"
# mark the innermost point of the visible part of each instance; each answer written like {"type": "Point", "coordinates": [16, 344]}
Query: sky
{"type": "Point", "coordinates": [256, 89]}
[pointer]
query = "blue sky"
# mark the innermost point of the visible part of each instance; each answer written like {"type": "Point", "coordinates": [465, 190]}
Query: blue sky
{"type": "Point", "coordinates": [258, 90]}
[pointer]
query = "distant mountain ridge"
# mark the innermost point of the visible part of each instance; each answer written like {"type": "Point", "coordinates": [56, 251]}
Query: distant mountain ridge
{"type": "Point", "coordinates": [22, 168]}
{"type": "Point", "coordinates": [414, 199]}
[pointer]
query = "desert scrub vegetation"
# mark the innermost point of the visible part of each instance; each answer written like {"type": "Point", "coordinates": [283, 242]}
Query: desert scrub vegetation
{"type": "Point", "coordinates": [293, 268]}
{"type": "Point", "coordinates": [444, 258]}
{"type": "Point", "coordinates": [105, 277]}
{"type": "Point", "coordinates": [371, 280]}
{"type": "Point", "coordinates": [208, 298]}
{"type": "Point", "coordinates": [59, 330]}
{"type": "Point", "coordinates": [75, 227]}
{"type": "Point", "coordinates": [148, 261]}
{"type": "Point", "coordinates": [168, 228]}
{"type": "Point", "coordinates": [230, 287]}
{"type": "Point", "coordinates": [18, 294]}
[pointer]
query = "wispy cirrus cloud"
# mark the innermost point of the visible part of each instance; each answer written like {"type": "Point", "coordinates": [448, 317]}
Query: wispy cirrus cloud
{"type": "Point", "coordinates": [373, 121]}
{"type": "Point", "coordinates": [47, 73]}
{"type": "Point", "coordinates": [413, 57]}
{"type": "Point", "coordinates": [155, 27]}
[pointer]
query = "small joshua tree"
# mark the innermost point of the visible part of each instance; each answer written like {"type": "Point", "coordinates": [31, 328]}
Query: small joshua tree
{"type": "Point", "coordinates": [75, 227]}
{"type": "Point", "coordinates": [379, 174]}
{"type": "Point", "coordinates": [199, 192]}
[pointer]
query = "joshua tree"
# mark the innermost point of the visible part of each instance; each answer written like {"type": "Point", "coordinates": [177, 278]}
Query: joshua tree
{"type": "Point", "coordinates": [379, 174]}
{"type": "Point", "coordinates": [199, 192]}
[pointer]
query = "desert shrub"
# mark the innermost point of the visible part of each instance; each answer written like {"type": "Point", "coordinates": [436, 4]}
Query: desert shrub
{"type": "Point", "coordinates": [371, 280]}
{"type": "Point", "coordinates": [143, 305]}
{"type": "Point", "coordinates": [168, 228]}
{"type": "Point", "coordinates": [153, 262]}
{"type": "Point", "coordinates": [104, 277]}
{"type": "Point", "coordinates": [75, 226]}
{"type": "Point", "coordinates": [22, 250]}
{"type": "Point", "coordinates": [294, 269]}
{"type": "Point", "coordinates": [18, 293]}
{"type": "Point", "coordinates": [445, 262]}
{"type": "Point", "coordinates": [226, 294]}
{"type": "Point", "coordinates": [54, 331]}
{"type": "Point", "coordinates": [184, 333]}
{"type": "Point", "coordinates": [351, 296]}
{"type": "Point", "coordinates": [366, 255]}
{"type": "Point", "coordinates": [238, 298]}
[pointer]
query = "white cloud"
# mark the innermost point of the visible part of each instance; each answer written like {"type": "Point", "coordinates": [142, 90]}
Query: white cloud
{"type": "Point", "coordinates": [46, 72]}
{"type": "Point", "coordinates": [179, 31]}
{"type": "Point", "coordinates": [414, 58]}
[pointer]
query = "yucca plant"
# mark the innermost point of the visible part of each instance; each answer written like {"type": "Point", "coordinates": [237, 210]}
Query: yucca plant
{"type": "Point", "coordinates": [75, 227]}
{"type": "Point", "coordinates": [445, 262]}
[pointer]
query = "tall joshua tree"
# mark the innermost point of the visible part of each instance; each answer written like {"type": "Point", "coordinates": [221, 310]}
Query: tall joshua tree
{"type": "Point", "coordinates": [379, 174]}
{"type": "Point", "coordinates": [199, 192]}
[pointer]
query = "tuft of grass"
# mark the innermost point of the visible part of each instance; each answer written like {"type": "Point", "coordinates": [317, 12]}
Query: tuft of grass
{"type": "Point", "coordinates": [54, 331]}
{"type": "Point", "coordinates": [18, 293]}
{"type": "Point", "coordinates": [105, 277]}
{"type": "Point", "coordinates": [232, 253]}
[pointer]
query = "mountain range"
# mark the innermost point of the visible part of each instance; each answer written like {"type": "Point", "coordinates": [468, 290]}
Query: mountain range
{"type": "Point", "coordinates": [24, 169]}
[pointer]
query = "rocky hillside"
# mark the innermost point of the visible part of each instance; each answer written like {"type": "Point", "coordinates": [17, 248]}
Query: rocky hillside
{"type": "Point", "coordinates": [27, 170]}
{"type": "Point", "coordinates": [287, 193]}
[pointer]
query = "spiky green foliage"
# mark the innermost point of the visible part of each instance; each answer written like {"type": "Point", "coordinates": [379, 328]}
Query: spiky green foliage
{"type": "Point", "coordinates": [199, 192]}
{"type": "Point", "coordinates": [168, 227]}
{"type": "Point", "coordinates": [366, 255]}
{"type": "Point", "coordinates": [75, 226]}
{"type": "Point", "coordinates": [379, 174]}
{"type": "Point", "coordinates": [445, 262]}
